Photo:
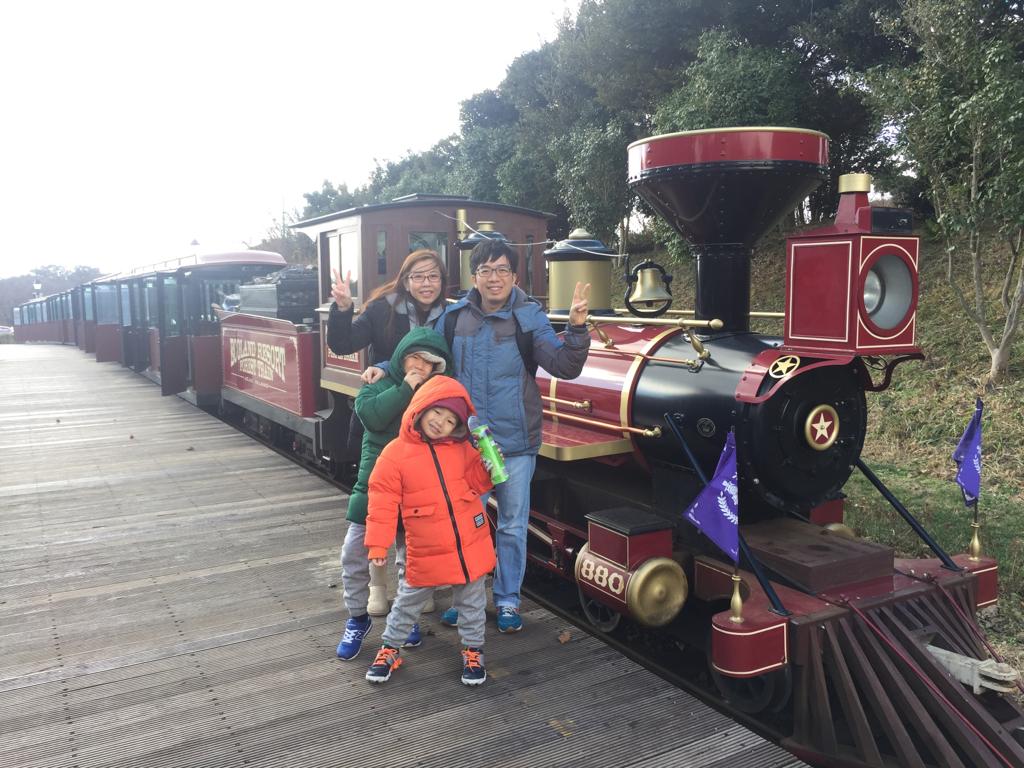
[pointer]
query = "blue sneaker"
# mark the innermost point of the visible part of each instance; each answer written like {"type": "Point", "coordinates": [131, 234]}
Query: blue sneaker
{"type": "Point", "coordinates": [386, 662]}
{"type": "Point", "coordinates": [415, 639]}
{"type": "Point", "coordinates": [352, 640]}
{"type": "Point", "coordinates": [450, 618]}
{"type": "Point", "coordinates": [509, 619]}
{"type": "Point", "coordinates": [473, 672]}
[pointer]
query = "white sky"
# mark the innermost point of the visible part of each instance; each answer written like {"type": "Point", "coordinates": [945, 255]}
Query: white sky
{"type": "Point", "coordinates": [128, 129]}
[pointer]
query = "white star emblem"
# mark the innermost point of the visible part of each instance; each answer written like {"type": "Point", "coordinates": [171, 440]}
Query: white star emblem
{"type": "Point", "coordinates": [821, 427]}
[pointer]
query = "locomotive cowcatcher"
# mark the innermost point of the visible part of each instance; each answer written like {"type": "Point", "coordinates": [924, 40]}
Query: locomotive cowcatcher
{"type": "Point", "coordinates": [855, 656]}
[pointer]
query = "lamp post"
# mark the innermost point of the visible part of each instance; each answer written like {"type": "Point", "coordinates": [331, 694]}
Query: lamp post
{"type": "Point", "coordinates": [37, 289]}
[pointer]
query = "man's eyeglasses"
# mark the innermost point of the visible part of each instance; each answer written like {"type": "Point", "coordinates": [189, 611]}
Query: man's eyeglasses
{"type": "Point", "coordinates": [486, 272]}
{"type": "Point", "coordinates": [420, 279]}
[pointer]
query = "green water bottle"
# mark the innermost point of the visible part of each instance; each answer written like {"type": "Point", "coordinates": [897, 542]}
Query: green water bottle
{"type": "Point", "coordinates": [488, 449]}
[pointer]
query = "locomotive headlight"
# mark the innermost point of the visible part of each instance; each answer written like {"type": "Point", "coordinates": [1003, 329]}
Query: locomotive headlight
{"type": "Point", "coordinates": [888, 292]}
{"type": "Point", "coordinates": [873, 292]}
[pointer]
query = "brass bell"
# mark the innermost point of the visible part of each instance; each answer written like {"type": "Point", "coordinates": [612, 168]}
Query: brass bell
{"type": "Point", "coordinates": [650, 288]}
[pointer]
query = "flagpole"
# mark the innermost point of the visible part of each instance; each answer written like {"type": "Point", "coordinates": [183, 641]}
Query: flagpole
{"type": "Point", "coordinates": [755, 565]}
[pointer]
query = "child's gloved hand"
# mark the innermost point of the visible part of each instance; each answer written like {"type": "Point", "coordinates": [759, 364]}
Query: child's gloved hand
{"type": "Point", "coordinates": [488, 465]}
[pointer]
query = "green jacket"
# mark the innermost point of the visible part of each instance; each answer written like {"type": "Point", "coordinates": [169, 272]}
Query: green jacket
{"type": "Point", "coordinates": [380, 407]}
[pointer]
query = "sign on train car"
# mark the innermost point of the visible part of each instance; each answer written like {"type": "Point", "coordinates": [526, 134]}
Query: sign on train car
{"type": "Point", "coordinates": [271, 361]}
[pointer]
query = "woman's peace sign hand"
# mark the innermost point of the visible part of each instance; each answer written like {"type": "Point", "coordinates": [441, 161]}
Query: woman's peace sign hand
{"type": "Point", "coordinates": [342, 290]}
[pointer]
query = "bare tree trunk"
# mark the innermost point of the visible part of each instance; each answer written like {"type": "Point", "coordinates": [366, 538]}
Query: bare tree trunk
{"type": "Point", "coordinates": [1014, 243]}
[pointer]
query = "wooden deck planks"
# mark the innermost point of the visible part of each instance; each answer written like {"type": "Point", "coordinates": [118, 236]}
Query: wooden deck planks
{"type": "Point", "coordinates": [165, 601]}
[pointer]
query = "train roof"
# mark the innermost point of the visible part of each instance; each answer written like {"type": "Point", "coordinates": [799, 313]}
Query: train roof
{"type": "Point", "coordinates": [420, 200]}
{"type": "Point", "coordinates": [198, 261]}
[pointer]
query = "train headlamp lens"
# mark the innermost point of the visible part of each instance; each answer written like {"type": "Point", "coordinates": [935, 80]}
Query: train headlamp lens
{"type": "Point", "coordinates": [873, 292]}
{"type": "Point", "coordinates": [888, 292]}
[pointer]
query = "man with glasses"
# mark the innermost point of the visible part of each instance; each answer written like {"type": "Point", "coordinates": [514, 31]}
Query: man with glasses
{"type": "Point", "coordinates": [490, 330]}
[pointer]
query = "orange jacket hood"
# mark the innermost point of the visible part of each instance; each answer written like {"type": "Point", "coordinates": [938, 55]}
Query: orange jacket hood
{"type": "Point", "coordinates": [434, 389]}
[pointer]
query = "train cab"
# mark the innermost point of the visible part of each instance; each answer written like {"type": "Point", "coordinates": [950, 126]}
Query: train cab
{"type": "Point", "coordinates": [160, 319]}
{"type": "Point", "coordinates": [371, 242]}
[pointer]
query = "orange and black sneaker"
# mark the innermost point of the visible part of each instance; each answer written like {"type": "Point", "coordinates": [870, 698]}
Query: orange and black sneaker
{"type": "Point", "coordinates": [384, 664]}
{"type": "Point", "coordinates": [473, 672]}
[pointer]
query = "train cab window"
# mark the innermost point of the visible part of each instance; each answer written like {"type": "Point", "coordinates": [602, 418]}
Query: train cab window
{"type": "Point", "coordinates": [106, 304]}
{"type": "Point", "coordinates": [17, 315]}
{"type": "Point", "coordinates": [435, 241]}
{"type": "Point", "coordinates": [345, 257]}
{"type": "Point", "coordinates": [171, 307]}
{"type": "Point", "coordinates": [126, 305]}
{"type": "Point", "coordinates": [382, 253]}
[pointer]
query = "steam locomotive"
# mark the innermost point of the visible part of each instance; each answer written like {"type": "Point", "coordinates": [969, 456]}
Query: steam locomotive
{"type": "Point", "coordinates": [856, 657]}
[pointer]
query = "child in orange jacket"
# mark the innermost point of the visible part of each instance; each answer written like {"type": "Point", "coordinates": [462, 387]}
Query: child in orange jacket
{"type": "Point", "coordinates": [433, 477]}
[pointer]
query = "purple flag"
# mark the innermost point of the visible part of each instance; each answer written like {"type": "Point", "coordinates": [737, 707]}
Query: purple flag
{"type": "Point", "coordinates": [715, 511]}
{"type": "Point", "coordinates": [968, 458]}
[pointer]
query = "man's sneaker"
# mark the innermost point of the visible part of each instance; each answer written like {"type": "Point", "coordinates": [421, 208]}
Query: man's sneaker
{"type": "Point", "coordinates": [450, 618]}
{"type": "Point", "coordinates": [509, 619]}
{"type": "Point", "coordinates": [473, 672]}
{"type": "Point", "coordinates": [387, 661]}
{"type": "Point", "coordinates": [352, 640]}
{"type": "Point", "coordinates": [415, 639]}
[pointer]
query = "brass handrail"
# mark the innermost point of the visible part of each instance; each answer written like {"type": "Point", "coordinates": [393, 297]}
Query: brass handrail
{"type": "Point", "coordinates": [642, 431]}
{"type": "Point", "coordinates": [582, 405]}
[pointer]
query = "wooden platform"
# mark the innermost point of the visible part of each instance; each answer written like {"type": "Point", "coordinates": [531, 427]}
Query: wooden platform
{"type": "Point", "coordinates": [166, 600]}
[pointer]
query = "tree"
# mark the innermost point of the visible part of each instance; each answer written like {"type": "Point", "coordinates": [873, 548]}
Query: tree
{"type": "Point", "coordinates": [961, 112]}
{"type": "Point", "coordinates": [330, 199]}
{"type": "Point", "coordinates": [429, 171]}
{"type": "Point", "coordinates": [592, 179]}
{"type": "Point", "coordinates": [54, 278]}
{"type": "Point", "coordinates": [296, 247]}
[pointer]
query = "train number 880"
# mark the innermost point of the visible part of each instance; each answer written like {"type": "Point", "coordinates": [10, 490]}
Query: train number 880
{"type": "Point", "coordinates": [602, 576]}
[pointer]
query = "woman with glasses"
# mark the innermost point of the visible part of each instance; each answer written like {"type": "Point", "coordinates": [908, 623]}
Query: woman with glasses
{"type": "Point", "coordinates": [413, 299]}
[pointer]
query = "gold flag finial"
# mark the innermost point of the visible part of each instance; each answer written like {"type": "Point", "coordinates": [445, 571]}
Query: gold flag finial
{"type": "Point", "coordinates": [736, 603]}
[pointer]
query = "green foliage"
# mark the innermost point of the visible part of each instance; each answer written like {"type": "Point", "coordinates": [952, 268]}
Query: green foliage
{"type": "Point", "coordinates": [589, 172]}
{"type": "Point", "coordinates": [959, 111]}
{"type": "Point", "coordinates": [330, 199]}
{"type": "Point", "coordinates": [54, 278]}
{"type": "Point", "coordinates": [734, 83]}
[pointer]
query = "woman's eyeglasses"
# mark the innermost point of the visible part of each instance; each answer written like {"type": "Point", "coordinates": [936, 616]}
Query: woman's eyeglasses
{"type": "Point", "coordinates": [486, 272]}
{"type": "Point", "coordinates": [420, 279]}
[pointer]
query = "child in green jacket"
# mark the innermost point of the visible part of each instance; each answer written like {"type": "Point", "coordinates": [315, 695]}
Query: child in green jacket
{"type": "Point", "coordinates": [420, 354]}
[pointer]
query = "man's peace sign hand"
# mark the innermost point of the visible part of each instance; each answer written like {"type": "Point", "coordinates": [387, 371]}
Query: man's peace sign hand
{"type": "Point", "coordinates": [580, 304]}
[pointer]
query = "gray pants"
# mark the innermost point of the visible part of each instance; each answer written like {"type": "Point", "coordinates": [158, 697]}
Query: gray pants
{"type": "Point", "coordinates": [355, 567]}
{"type": "Point", "coordinates": [470, 600]}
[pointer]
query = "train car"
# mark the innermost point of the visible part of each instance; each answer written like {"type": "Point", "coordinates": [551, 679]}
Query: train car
{"type": "Point", "coordinates": [855, 657]}
{"type": "Point", "coordinates": [159, 319]}
{"type": "Point", "coordinates": [46, 319]}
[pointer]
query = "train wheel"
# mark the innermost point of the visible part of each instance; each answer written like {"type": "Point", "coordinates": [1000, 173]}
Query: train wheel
{"type": "Point", "coordinates": [770, 691]}
{"type": "Point", "coordinates": [601, 617]}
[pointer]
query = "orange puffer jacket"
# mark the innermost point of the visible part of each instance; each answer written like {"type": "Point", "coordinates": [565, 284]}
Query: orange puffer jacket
{"type": "Point", "coordinates": [436, 487]}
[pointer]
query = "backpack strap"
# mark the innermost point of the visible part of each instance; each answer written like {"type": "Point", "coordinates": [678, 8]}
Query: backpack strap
{"type": "Point", "coordinates": [524, 340]}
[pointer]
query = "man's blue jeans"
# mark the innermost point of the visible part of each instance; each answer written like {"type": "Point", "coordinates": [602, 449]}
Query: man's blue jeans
{"type": "Point", "coordinates": [510, 539]}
